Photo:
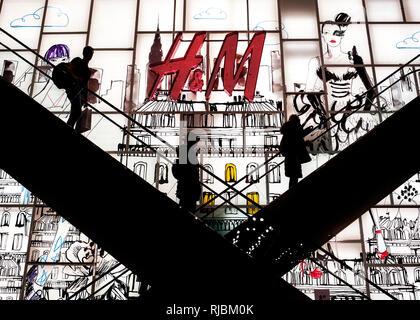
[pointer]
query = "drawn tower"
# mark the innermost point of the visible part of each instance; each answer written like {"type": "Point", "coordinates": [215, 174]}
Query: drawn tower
{"type": "Point", "coordinates": [155, 56]}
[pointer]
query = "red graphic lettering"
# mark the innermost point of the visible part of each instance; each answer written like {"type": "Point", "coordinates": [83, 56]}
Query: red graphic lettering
{"type": "Point", "coordinates": [231, 77]}
{"type": "Point", "coordinates": [180, 66]}
{"type": "Point", "coordinates": [196, 80]}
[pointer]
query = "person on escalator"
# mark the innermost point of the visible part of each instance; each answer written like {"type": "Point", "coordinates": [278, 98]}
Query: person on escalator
{"type": "Point", "coordinates": [77, 94]}
{"type": "Point", "coordinates": [293, 148]}
{"type": "Point", "coordinates": [186, 171]}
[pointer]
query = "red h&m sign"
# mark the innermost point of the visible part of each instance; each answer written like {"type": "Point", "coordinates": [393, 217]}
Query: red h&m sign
{"type": "Point", "coordinates": [183, 66]}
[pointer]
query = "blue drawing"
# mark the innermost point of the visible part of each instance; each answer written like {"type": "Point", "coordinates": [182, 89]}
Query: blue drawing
{"type": "Point", "coordinates": [33, 20]}
{"type": "Point", "coordinates": [24, 196]}
{"type": "Point", "coordinates": [211, 14]}
{"type": "Point", "coordinates": [411, 42]}
{"type": "Point", "coordinates": [271, 25]}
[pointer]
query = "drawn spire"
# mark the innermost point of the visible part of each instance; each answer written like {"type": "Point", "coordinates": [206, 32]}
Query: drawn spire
{"type": "Point", "coordinates": [155, 56]}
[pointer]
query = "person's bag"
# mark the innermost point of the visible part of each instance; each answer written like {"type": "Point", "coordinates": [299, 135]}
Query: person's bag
{"type": "Point", "coordinates": [85, 121]}
{"type": "Point", "coordinates": [304, 154]}
{"type": "Point", "coordinates": [62, 76]}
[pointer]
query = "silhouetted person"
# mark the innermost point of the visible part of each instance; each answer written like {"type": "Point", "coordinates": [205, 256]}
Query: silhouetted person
{"type": "Point", "coordinates": [188, 188]}
{"type": "Point", "coordinates": [293, 147]}
{"type": "Point", "coordinates": [77, 94]}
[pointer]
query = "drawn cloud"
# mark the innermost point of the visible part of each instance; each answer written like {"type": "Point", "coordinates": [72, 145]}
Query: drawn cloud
{"type": "Point", "coordinates": [211, 14]}
{"type": "Point", "coordinates": [57, 18]}
{"type": "Point", "coordinates": [412, 42]}
{"type": "Point", "coordinates": [271, 25]}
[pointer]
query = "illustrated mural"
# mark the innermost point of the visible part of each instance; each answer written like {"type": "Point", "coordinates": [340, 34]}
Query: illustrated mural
{"type": "Point", "coordinates": [342, 88]}
{"type": "Point", "coordinates": [55, 240]}
{"type": "Point", "coordinates": [59, 262]}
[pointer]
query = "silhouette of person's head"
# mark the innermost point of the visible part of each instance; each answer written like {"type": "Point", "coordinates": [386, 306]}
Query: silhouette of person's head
{"type": "Point", "coordinates": [87, 53]}
{"type": "Point", "coordinates": [294, 119]}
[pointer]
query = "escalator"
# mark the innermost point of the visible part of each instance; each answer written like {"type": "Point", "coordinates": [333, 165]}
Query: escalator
{"type": "Point", "coordinates": [179, 256]}
{"type": "Point", "coordinates": [182, 259]}
{"type": "Point", "coordinates": [328, 200]}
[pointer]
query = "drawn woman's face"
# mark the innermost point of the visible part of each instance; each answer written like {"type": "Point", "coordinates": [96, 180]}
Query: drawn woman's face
{"type": "Point", "coordinates": [58, 60]}
{"type": "Point", "coordinates": [332, 35]}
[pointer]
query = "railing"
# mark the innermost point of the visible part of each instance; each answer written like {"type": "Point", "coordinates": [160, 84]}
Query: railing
{"type": "Point", "coordinates": [131, 120]}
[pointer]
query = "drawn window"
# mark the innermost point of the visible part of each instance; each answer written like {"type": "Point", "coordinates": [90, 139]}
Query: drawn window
{"type": "Point", "coordinates": [208, 197]}
{"type": "Point", "coordinates": [233, 200]}
{"type": "Point", "coordinates": [140, 168]}
{"type": "Point", "coordinates": [250, 120]}
{"type": "Point", "coordinates": [21, 219]}
{"type": "Point", "coordinates": [4, 175]}
{"type": "Point", "coordinates": [252, 173]}
{"type": "Point", "coordinates": [13, 271]}
{"type": "Point", "coordinates": [207, 120]}
{"type": "Point", "coordinates": [230, 172]}
{"type": "Point", "coordinates": [161, 173]}
{"type": "Point", "coordinates": [376, 276]}
{"type": "Point", "coordinates": [395, 277]}
{"type": "Point", "coordinates": [17, 242]}
{"type": "Point", "coordinates": [271, 140]}
{"type": "Point", "coordinates": [5, 219]}
{"type": "Point", "coordinates": [417, 275]}
{"type": "Point", "coordinates": [207, 177]}
{"type": "Point", "coordinates": [229, 120]}
{"type": "Point", "coordinates": [54, 273]}
{"type": "Point", "coordinates": [35, 255]}
{"type": "Point", "coordinates": [132, 280]}
{"type": "Point", "coordinates": [254, 196]}
{"type": "Point", "coordinates": [274, 173]}
{"type": "Point", "coordinates": [3, 240]}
